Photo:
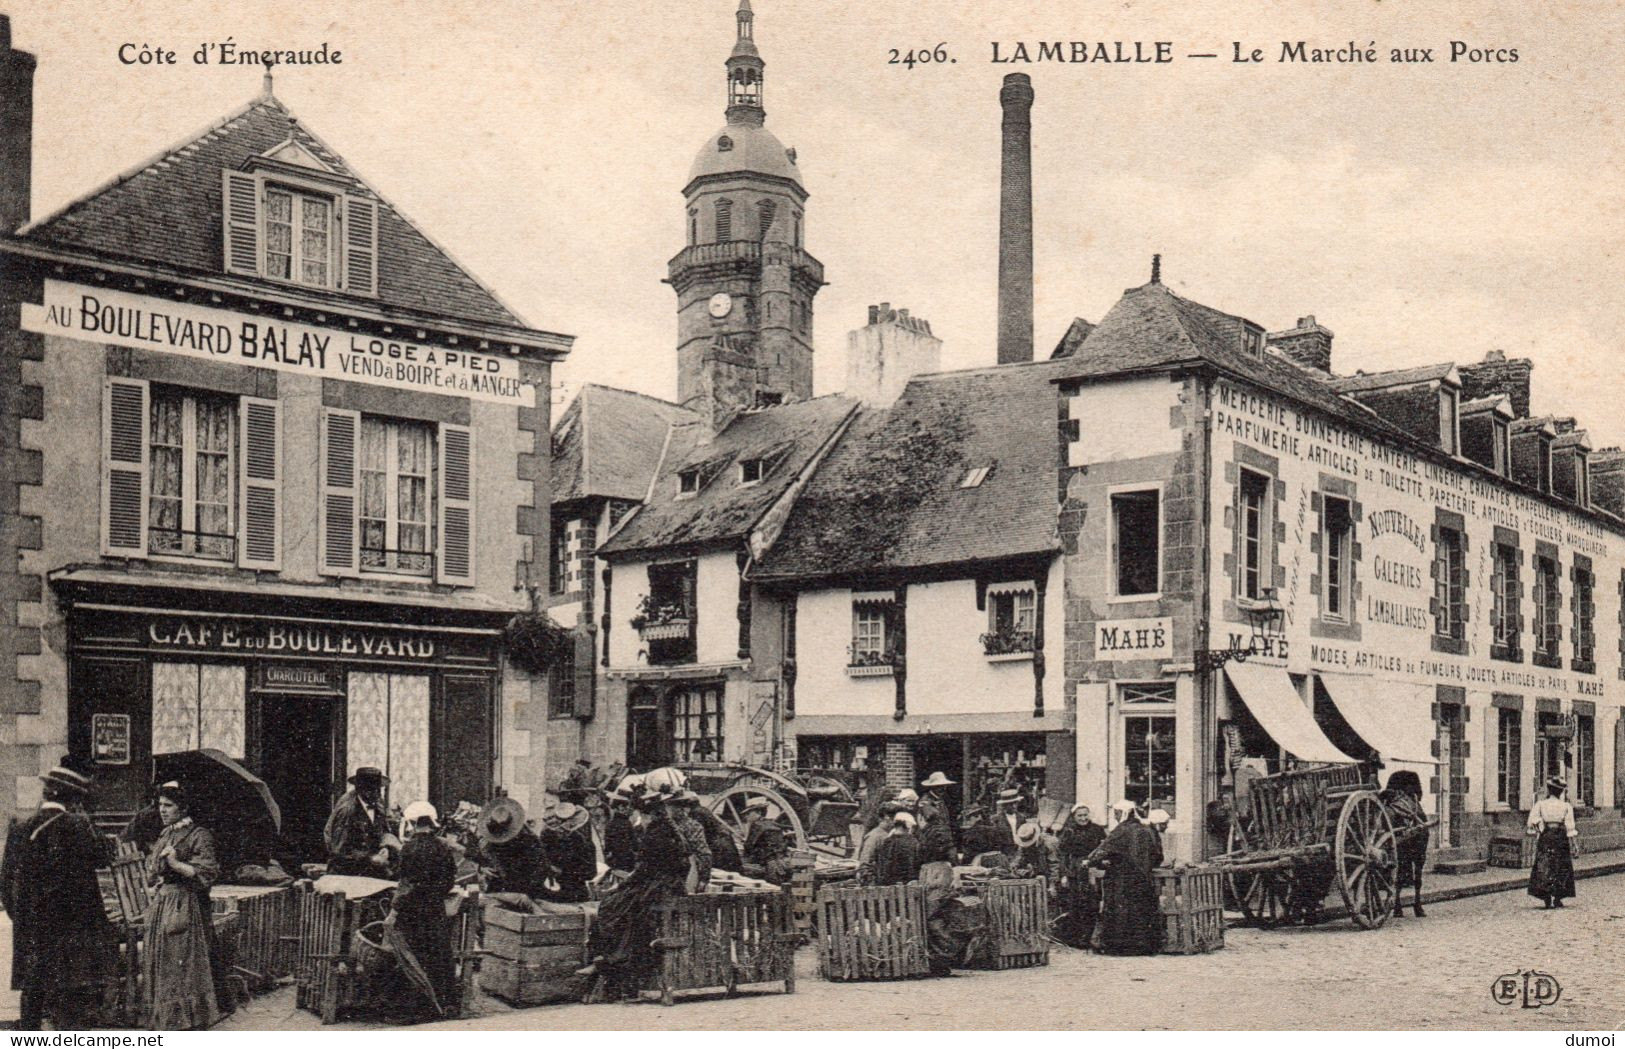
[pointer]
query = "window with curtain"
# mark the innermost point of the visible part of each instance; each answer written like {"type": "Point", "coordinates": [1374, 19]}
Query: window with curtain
{"type": "Point", "coordinates": [695, 717]}
{"type": "Point", "coordinates": [1254, 572]}
{"type": "Point", "coordinates": [1505, 597]}
{"type": "Point", "coordinates": [397, 511]}
{"type": "Point", "coordinates": [1449, 598]}
{"type": "Point", "coordinates": [1548, 610]}
{"type": "Point", "coordinates": [1509, 752]}
{"type": "Point", "coordinates": [1585, 621]}
{"type": "Point", "coordinates": [387, 727]}
{"type": "Point", "coordinates": [869, 646]}
{"type": "Point", "coordinates": [299, 236]}
{"type": "Point", "coordinates": [197, 705]}
{"type": "Point", "coordinates": [1337, 547]}
{"type": "Point", "coordinates": [1585, 760]}
{"type": "Point", "coordinates": [192, 475]}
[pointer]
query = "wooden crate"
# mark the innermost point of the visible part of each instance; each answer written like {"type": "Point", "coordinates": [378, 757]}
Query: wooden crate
{"type": "Point", "coordinates": [1511, 851]}
{"type": "Point", "coordinates": [803, 898]}
{"type": "Point", "coordinates": [1018, 918]}
{"type": "Point", "coordinates": [266, 937]}
{"type": "Point", "coordinates": [723, 942]}
{"type": "Point", "coordinates": [872, 933]}
{"type": "Point", "coordinates": [531, 959]}
{"type": "Point", "coordinates": [1192, 903]}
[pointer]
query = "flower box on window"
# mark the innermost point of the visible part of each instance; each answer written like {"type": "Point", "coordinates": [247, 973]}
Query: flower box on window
{"type": "Point", "coordinates": [1008, 644]}
{"type": "Point", "coordinates": [661, 622]}
{"type": "Point", "coordinates": [869, 663]}
{"type": "Point", "coordinates": [670, 629]}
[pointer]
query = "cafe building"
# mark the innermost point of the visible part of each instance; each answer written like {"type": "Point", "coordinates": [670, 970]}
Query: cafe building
{"type": "Point", "coordinates": [276, 490]}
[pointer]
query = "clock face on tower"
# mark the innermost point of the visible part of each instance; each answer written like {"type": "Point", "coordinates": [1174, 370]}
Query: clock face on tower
{"type": "Point", "coordinates": [721, 303]}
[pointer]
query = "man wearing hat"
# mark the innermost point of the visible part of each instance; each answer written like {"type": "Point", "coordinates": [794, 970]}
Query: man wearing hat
{"type": "Point", "coordinates": [61, 942]}
{"type": "Point", "coordinates": [571, 859]}
{"type": "Point", "coordinates": [515, 859]}
{"type": "Point", "coordinates": [765, 850]}
{"type": "Point", "coordinates": [359, 839]}
{"type": "Point", "coordinates": [620, 835]}
{"type": "Point", "coordinates": [1036, 852]}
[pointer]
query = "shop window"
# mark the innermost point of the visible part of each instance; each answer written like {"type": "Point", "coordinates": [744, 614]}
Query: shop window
{"type": "Point", "coordinates": [1548, 612]}
{"type": "Point", "coordinates": [1508, 755]}
{"type": "Point", "coordinates": [1149, 750]}
{"type": "Point", "coordinates": [198, 705]}
{"type": "Point", "coordinates": [1506, 599]}
{"type": "Point", "coordinates": [396, 515]}
{"type": "Point", "coordinates": [388, 728]}
{"type": "Point", "coordinates": [1585, 620]}
{"type": "Point", "coordinates": [1005, 762]}
{"type": "Point", "coordinates": [695, 717]}
{"type": "Point", "coordinates": [1337, 548]}
{"type": "Point", "coordinates": [1449, 585]}
{"type": "Point", "coordinates": [1449, 437]}
{"type": "Point", "coordinates": [725, 220]}
{"type": "Point", "coordinates": [1011, 622]}
{"type": "Point", "coordinates": [1136, 543]}
{"type": "Point", "coordinates": [1255, 526]}
{"type": "Point", "coordinates": [871, 635]}
{"type": "Point", "coordinates": [1585, 761]}
{"type": "Point", "coordinates": [192, 474]}
{"type": "Point", "coordinates": [561, 687]}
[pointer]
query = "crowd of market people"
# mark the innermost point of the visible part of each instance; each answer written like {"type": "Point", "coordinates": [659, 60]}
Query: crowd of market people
{"type": "Point", "coordinates": [655, 842]}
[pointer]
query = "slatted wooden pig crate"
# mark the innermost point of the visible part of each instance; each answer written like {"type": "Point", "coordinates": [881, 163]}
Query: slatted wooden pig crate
{"type": "Point", "coordinates": [1192, 904]}
{"type": "Point", "coordinates": [1018, 912]}
{"type": "Point", "coordinates": [725, 942]}
{"type": "Point", "coordinates": [531, 959]}
{"type": "Point", "coordinates": [872, 933]}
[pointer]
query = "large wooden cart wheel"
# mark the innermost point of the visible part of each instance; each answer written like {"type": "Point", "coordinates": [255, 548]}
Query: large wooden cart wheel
{"type": "Point", "coordinates": [729, 806]}
{"type": "Point", "coordinates": [1367, 859]}
{"type": "Point", "coordinates": [1262, 895]}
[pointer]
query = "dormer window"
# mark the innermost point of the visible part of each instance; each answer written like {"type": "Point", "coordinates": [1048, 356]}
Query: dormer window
{"type": "Point", "coordinates": [1449, 438]}
{"type": "Point", "coordinates": [974, 477]}
{"type": "Point", "coordinates": [294, 222]}
{"type": "Point", "coordinates": [751, 471]}
{"type": "Point", "coordinates": [1253, 341]}
{"type": "Point", "coordinates": [1582, 479]}
{"type": "Point", "coordinates": [688, 481]}
{"type": "Point", "coordinates": [724, 144]}
{"type": "Point", "coordinates": [1543, 467]}
{"type": "Point", "coordinates": [1502, 447]}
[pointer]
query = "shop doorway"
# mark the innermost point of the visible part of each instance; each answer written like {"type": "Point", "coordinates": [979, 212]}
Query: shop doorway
{"type": "Point", "coordinates": [299, 743]}
{"type": "Point", "coordinates": [645, 742]}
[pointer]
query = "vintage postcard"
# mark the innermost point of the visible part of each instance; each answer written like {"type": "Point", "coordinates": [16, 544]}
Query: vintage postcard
{"type": "Point", "coordinates": [811, 514]}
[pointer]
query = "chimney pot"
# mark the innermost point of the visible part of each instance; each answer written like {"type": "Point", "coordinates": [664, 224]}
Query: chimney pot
{"type": "Point", "coordinates": [1156, 269]}
{"type": "Point", "coordinates": [874, 314]}
{"type": "Point", "coordinates": [880, 361]}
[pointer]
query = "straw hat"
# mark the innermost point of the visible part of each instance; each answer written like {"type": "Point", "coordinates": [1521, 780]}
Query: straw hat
{"type": "Point", "coordinates": [1557, 785]}
{"type": "Point", "coordinates": [67, 779]}
{"type": "Point", "coordinates": [1009, 796]}
{"type": "Point", "coordinates": [568, 816]}
{"type": "Point", "coordinates": [1027, 834]}
{"type": "Point", "coordinates": [904, 819]}
{"type": "Point", "coordinates": [936, 779]}
{"type": "Point", "coordinates": [369, 774]}
{"type": "Point", "coordinates": [502, 820]}
{"type": "Point", "coordinates": [907, 796]}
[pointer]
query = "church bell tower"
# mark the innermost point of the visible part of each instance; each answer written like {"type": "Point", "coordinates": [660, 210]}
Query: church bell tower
{"type": "Point", "coordinates": [745, 282]}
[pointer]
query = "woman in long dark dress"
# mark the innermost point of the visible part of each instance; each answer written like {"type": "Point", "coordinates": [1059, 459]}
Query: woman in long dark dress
{"type": "Point", "coordinates": [1077, 896]}
{"type": "Point", "coordinates": [177, 972]}
{"type": "Point", "coordinates": [622, 942]}
{"type": "Point", "coordinates": [1552, 819]}
{"type": "Point", "coordinates": [1130, 919]}
{"type": "Point", "coordinates": [428, 870]}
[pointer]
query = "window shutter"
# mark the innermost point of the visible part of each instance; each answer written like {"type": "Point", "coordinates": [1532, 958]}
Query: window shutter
{"type": "Point", "coordinates": [241, 223]}
{"type": "Point", "coordinates": [339, 539]}
{"type": "Point", "coordinates": [259, 535]}
{"type": "Point", "coordinates": [124, 467]}
{"type": "Point", "coordinates": [455, 560]}
{"type": "Point", "coordinates": [361, 245]}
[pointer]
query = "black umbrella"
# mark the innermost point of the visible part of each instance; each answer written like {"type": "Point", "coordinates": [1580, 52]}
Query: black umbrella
{"type": "Point", "coordinates": [226, 798]}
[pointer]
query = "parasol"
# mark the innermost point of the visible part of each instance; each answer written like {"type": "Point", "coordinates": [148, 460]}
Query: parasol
{"type": "Point", "coordinates": [395, 942]}
{"type": "Point", "coordinates": [228, 799]}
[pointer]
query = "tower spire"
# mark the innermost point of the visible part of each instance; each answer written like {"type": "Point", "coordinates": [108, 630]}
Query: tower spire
{"type": "Point", "coordinates": [745, 68]}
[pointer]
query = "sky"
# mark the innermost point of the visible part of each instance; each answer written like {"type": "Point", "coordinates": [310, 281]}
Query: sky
{"type": "Point", "coordinates": [1422, 212]}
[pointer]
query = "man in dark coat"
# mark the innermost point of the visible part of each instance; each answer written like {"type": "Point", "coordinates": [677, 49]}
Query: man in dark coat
{"type": "Point", "coordinates": [1130, 918]}
{"type": "Point", "coordinates": [359, 840]}
{"type": "Point", "coordinates": [515, 859]}
{"type": "Point", "coordinates": [358, 833]}
{"type": "Point", "coordinates": [983, 834]}
{"type": "Point", "coordinates": [897, 859]}
{"type": "Point", "coordinates": [62, 943]}
{"type": "Point", "coordinates": [765, 854]}
{"type": "Point", "coordinates": [620, 837]}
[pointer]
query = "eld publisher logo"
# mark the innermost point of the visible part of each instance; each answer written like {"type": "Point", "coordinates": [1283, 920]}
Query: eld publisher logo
{"type": "Point", "coordinates": [1527, 989]}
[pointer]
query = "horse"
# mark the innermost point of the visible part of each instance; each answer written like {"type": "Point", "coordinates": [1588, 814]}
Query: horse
{"type": "Point", "coordinates": [1403, 796]}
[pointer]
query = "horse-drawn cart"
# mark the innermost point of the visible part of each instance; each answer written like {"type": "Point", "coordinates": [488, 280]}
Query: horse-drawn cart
{"type": "Point", "coordinates": [1305, 829]}
{"type": "Point", "coordinates": [815, 812]}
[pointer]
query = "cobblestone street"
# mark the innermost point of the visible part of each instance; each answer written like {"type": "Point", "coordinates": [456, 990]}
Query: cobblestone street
{"type": "Point", "coordinates": [1433, 973]}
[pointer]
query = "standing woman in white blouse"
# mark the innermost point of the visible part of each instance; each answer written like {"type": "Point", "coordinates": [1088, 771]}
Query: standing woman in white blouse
{"type": "Point", "coordinates": [1552, 819]}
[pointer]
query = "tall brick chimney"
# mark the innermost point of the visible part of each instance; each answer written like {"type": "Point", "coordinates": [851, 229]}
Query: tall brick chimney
{"type": "Point", "coordinates": [16, 131]}
{"type": "Point", "coordinates": [1608, 480]}
{"type": "Point", "coordinates": [1308, 344]}
{"type": "Point", "coordinates": [1016, 222]}
{"type": "Point", "coordinates": [882, 357]}
{"type": "Point", "coordinates": [1496, 374]}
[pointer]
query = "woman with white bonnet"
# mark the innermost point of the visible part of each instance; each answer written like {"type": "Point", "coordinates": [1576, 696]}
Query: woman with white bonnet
{"type": "Point", "coordinates": [428, 872]}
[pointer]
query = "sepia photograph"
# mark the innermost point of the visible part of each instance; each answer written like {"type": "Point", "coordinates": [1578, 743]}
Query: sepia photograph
{"type": "Point", "coordinates": [811, 515]}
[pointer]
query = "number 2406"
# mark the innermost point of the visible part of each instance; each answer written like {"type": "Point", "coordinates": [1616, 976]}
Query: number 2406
{"type": "Point", "coordinates": [920, 56]}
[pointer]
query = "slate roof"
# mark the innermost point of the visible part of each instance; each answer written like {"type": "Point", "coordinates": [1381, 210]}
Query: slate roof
{"type": "Point", "coordinates": [1076, 333]}
{"type": "Point", "coordinates": [168, 211]}
{"type": "Point", "coordinates": [889, 495]}
{"type": "Point", "coordinates": [1492, 403]}
{"type": "Point", "coordinates": [1387, 380]}
{"type": "Point", "coordinates": [607, 443]}
{"type": "Point", "coordinates": [788, 436]}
